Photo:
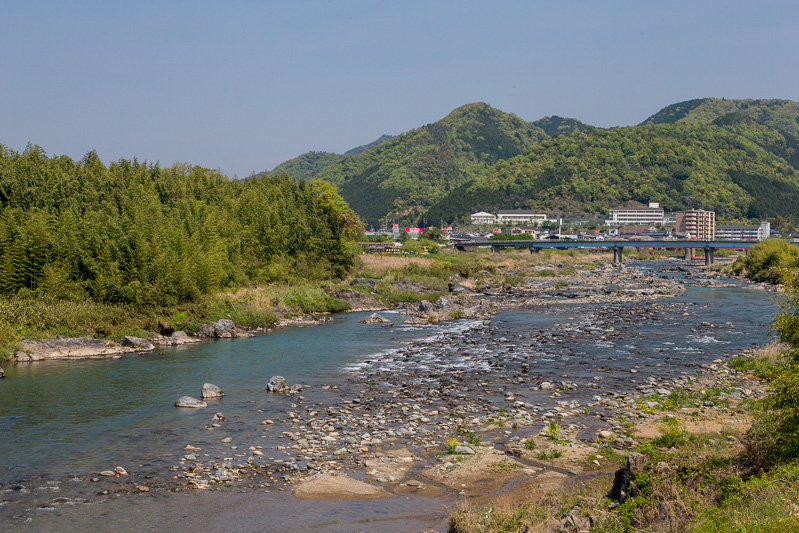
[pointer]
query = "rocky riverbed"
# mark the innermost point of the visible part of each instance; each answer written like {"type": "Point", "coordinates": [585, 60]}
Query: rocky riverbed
{"type": "Point", "coordinates": [489, 408]}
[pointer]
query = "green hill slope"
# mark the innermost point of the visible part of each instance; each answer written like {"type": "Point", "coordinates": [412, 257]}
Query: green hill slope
{"type": "Point", "coordinates": [782, 115]}
{"type": "Point", "coordinates": [556, 125]}
{"type": "Point", "coordinates": [307, 165]}
{"type": "Point", "coordinates": [407, 174]}
{"type": "Point", "coordinates": [682, 165]}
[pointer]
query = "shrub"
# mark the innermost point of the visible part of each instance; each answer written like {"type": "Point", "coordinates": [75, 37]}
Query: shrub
{"type": "Point", "coordinates": [770, 260]}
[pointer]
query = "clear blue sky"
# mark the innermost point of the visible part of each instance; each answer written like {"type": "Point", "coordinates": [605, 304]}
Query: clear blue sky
{"type": "Point", "coordinates": [243, 86]}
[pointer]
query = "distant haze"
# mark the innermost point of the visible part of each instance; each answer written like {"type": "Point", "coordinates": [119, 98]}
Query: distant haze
{"type": "Point", "coordinates": [244, 86]}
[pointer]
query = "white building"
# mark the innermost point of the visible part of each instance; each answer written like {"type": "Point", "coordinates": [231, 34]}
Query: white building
{"type": "Point", "coordinates": [739, 232]}
{"type": "Point", "coordinates": [483, 218]}
{"type": "Point", "coordinates": [625, 216]}
{"type": "Point", "coordinates": [518, 217]}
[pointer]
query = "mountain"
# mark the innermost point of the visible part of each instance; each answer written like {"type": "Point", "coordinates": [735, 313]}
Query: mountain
{"type": "Point", "coordinates": [782, 115]}
{"type": "Point", "coordinates": [682, 165]}
{"type": "Point", "coordinates": [309, 164]}
{"type": "Point", "coordinates": [407, 174]}
{"type": "Point", "coordinates": [556, 125]}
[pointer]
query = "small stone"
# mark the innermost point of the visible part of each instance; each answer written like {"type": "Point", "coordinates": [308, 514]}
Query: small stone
{"type": "Point", "coordinates": [143, 488]}
{"type": "Point", "coordinates": [120, 471]}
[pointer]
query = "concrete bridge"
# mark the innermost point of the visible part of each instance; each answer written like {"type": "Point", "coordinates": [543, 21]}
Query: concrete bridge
{"type": "Point", "coordinates": [709, 247]}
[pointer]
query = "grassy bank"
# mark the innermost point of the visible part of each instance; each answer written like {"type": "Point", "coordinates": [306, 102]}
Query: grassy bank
{"type": "Point", "coordinates": [34, 316]}
{"type": "Point", "coordinates": [698, 480]}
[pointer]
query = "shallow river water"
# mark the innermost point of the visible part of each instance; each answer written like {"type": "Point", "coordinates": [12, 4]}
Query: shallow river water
{"type": "Point", "coordinates": [63, 421]}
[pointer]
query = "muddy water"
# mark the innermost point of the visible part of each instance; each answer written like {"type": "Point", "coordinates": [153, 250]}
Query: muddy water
{"type": "Point", "coordinates": [62, 422]}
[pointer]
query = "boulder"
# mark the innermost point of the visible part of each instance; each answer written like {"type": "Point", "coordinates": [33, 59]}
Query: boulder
{"type": "Point", "coordinates": [464, 450]}
{"type": "Point", "coordinates": [211, 391]}
{"type": "Point", "coordinates": [189, 402]}
{"type": "Point", "coordinates": [221, 329]}
{"type": "Point", "coordinates": [2, 374]}
{"type": "Point", "coordinates": [137, 343]}
{"type": "Point", "coordinates": [624, 481]}
{"type": "Point", "coordinates": [374, 318]}
{"type": "Point", "coordinates": [277, 384]}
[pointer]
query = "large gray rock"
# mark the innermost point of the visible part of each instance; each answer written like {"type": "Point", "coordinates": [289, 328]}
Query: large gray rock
{"type": "Point", "coordinates": [211, 391]}
{"type": "Point", "coordinates": [2, 374]}
{"type": "Point", "coordinates": [277, 384]}
{"type": "Point", "coordinates": [374, 318]}
{"type": "Point", "coordinates": [137, 343]}
{"type": "Point", "coordinates": [189, 402]}
{"type": "Point", "coordinates": [222, 329]}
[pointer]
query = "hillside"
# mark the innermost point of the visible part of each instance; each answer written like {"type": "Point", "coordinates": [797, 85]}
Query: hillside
{"type": "Point", "coordinates": [782, 115]}
{"type": "Point", "coordinates": [556, 125]}
{"type": "Point", "coordinates": [410, 172]}
{"type": "Point", "coordinates": [682, 165]}
{"type": "Point", "coordinates": [307, 165]}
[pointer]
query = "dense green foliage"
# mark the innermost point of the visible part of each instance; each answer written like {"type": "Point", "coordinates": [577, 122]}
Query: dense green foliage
{"type": "Point", "coordinates": [737, 157]}
{"type": "Point", "coordinates": [307, 165]}
{"type": "Point", "coordinates": [775, 434]}
{"type": "Point", "coordinates": [134, 233]}
{"type": "Point", "coordinates": [408, 173]}
{"type": "Point", "coordinates": [556, 125]}
{"type": "Point", "coordinates": [681, 165]}
{"type": "Point", "coordinates": [782, 115]}
{"type": "Point", "coordinates": [768, 261]}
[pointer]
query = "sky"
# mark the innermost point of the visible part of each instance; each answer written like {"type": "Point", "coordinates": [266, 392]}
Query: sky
{"type": "Point", "coordinates": [243, 86]}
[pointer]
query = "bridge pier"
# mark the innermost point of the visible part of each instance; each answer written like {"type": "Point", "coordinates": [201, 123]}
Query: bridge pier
{"type": "Point", "coordinates": [689, 254]}
{"type": "Point", "coordinates": [617, 257]}
{"type": "Point", "coordinates": [534, 250]}
{"type": "Point", "coordinates": [709, 255]}
{"type": "Point", "coordinates": [495, 249]}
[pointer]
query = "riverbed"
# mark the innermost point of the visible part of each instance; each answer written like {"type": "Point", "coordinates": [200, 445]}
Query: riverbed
{"type": "Point", "coordinates": [62, 422]}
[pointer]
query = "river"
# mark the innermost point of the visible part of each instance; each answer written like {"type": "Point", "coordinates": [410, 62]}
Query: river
{"type": "Point", "coordinates": [63, 421]}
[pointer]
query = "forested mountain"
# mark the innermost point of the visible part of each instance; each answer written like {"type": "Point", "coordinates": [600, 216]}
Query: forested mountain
{"type": "Point", "coordinates": [136, 233]}
{"type": "Point", "coordinates": [782, 115]}
{"type": "Point", "coordinates": [309, 164]}
{"type": "Point", "coordinates": [682, 165]}
{"type": "Point", "coordinates": [412, 171]}
{"type": "Point", "coordinates": [556, 125]}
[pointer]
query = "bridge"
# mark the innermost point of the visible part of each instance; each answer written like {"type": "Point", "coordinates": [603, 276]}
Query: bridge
{"type": "Point", "coordinates": [709, 247]}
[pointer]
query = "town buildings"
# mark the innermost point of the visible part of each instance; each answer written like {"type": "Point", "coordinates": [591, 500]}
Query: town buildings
{"type": "Point", "coordinates": [506, 217]}
{"type": "Point", "coordinates": [739, 232]}
{"type": "Point", "coordinates": [699, 223]}
{"type": "Point", "coordinates": [636, 216]}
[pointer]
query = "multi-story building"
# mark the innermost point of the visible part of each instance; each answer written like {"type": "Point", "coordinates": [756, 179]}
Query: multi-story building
{"type": "Point", "coordinates": [519, 217]}
{"type": "Point", "coordinates": [739, 232]}
{"type": "Point", "coordinates": [483, 218]}
{"type": "Point", "coordinates": [699, 223]}
{"type": "Point", "coordinates": [625, 216]}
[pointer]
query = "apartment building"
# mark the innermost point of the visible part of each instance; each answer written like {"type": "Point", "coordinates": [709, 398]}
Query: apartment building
{"type": "Point", "coordinates": [699, 223]}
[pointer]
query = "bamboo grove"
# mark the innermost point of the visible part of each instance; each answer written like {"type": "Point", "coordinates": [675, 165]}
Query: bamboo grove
{"type": "Point", "coordinates": [136, 233]}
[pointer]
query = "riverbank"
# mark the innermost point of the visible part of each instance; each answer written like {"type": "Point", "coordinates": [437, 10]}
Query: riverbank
{"type": "Point", "coordinates": [381, 282]}
{"type": "Point", "coordinates": [492, 380]}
